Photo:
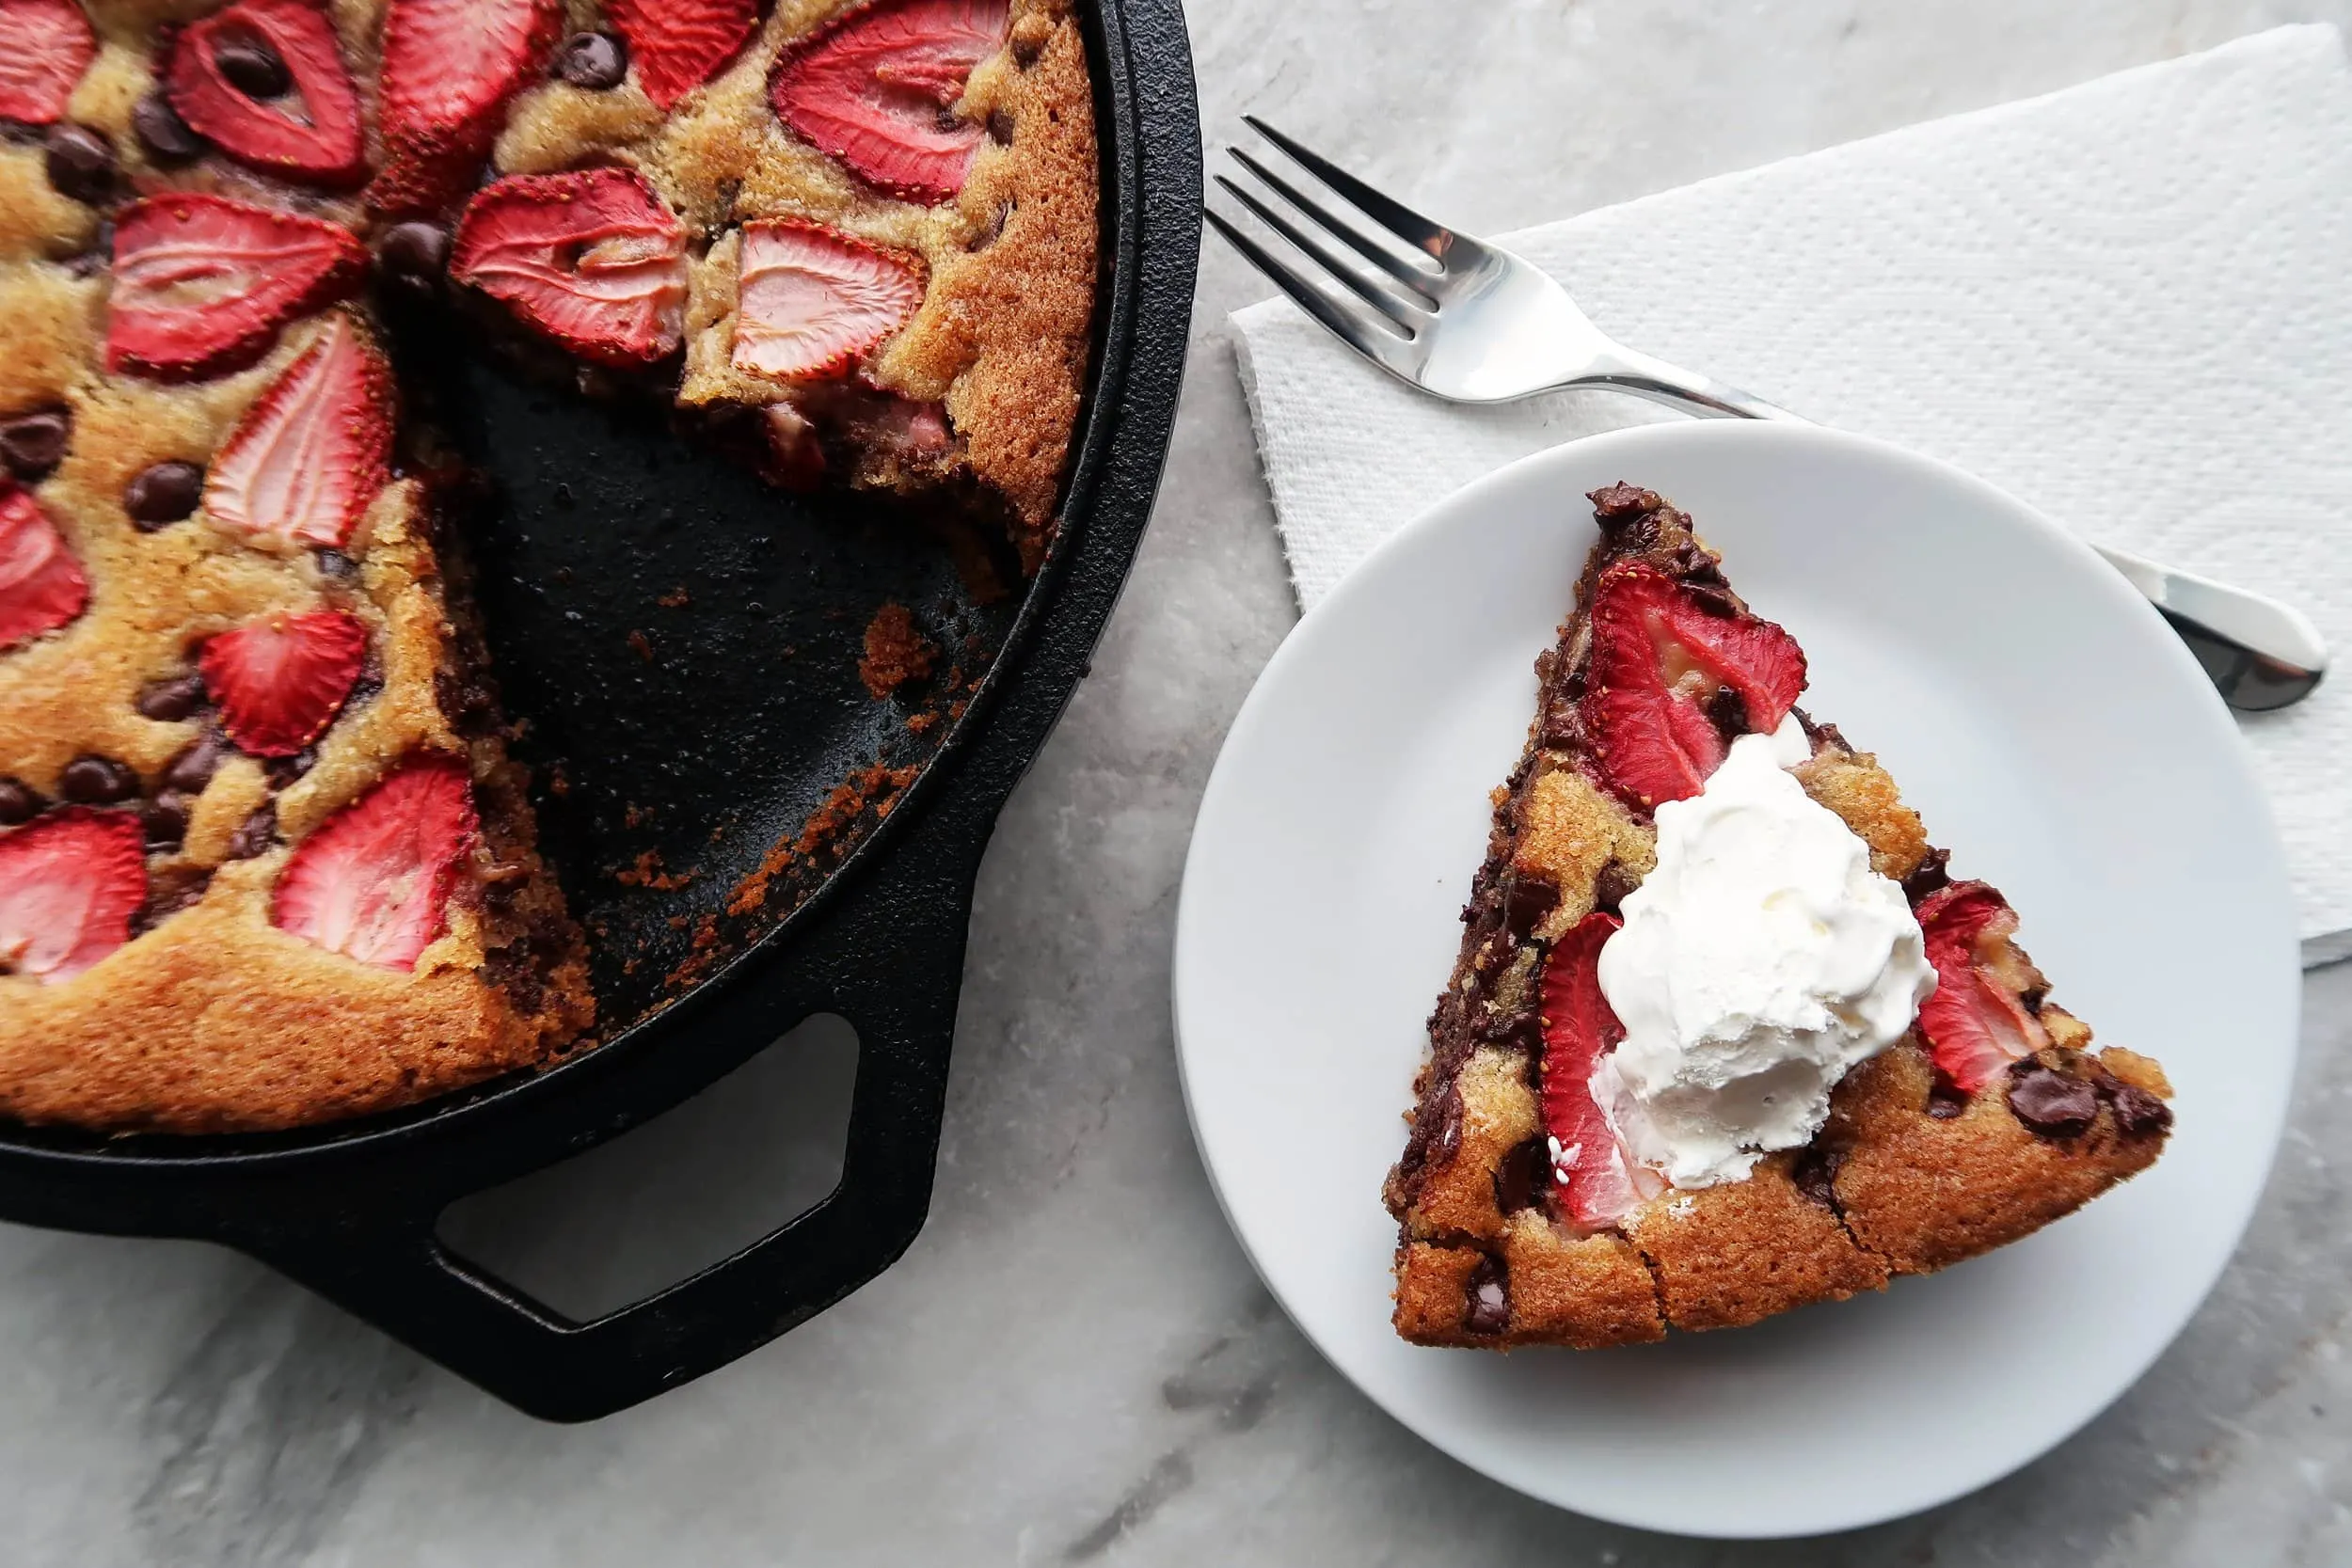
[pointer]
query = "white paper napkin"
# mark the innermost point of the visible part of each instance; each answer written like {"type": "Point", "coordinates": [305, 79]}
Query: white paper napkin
{"type": "Point", "coordinates": [2127, 302]}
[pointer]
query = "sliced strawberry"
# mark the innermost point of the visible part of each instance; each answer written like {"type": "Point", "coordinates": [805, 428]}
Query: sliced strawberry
{"type": "Point", "coordinates": [45, 46]}
{"type": "Point", "coordinates": [1660, 651]}
{"type": "Point", "coordinates": [1975, 1024]}
{"type": "Point", "coordinates": [201, 283]}
{"type": "Point", "coordinates": [678, 45]}
{"type": "Point", "coordinates": [593, 258]}
{"type": "Point", "coordinates": [1595, 1182]}
{"type": "Point", "coordinates": [812, 300]}
{"type": "Point", "coordinates": [1752, 656]}
{"type": "Point", "coordinates": [280, 680]}
{"type": "Point", "coordinates": [1651, 745]}
{"type": "Point", "coordinates": [373, 882]}
{"type": "Point", "coordinates": [450, 67]}
{"type": "Point", "coordinates": [42, 585]}
{"type": "Point", "coordinates": [310, 454]}
{"type": "Point", "coordinates": [311, 131]}
{"type": "Point", "coordinates": [878, 90]}
{"type": "Point", "coordinates": [69, 885]}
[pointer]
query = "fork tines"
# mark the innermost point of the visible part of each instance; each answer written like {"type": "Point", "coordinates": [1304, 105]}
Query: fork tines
{"type": "Point", "coordinates": [1377, 288]}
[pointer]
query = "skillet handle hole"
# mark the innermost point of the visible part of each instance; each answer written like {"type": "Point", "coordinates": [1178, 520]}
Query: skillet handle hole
{"type": "Point", "coordinates": [627, 1219]}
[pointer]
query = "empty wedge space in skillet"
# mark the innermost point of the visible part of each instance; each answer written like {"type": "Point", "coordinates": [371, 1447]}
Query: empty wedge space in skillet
{"type": "Point", "coordinates": [268, 849]}
{"type": "Point", "coordinates": [1524, 1216]}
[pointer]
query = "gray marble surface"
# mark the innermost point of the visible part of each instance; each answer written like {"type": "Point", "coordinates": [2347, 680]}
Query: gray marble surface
{"type": "Point", "coordinates": [1074, 1364]}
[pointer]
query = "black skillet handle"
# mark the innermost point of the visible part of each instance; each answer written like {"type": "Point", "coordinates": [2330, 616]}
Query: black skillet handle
{"type": "Point", "coordinates": [889, 956]}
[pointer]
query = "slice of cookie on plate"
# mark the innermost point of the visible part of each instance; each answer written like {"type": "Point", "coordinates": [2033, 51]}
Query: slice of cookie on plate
{"type": "Point", "coordinates": [1725, 1037]}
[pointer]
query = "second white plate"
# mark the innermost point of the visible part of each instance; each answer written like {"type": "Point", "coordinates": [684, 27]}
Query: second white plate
{"type": "Point", "coordinates": [2051, 730]}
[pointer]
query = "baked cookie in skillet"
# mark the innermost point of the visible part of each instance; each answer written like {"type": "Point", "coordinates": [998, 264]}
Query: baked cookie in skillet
{"type": "Point", "coordinates": [264, 859]}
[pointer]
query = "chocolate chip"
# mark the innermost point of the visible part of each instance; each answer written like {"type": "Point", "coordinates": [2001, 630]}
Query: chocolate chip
{"type": "Point", "coordinates": [1563, 723]}
{"type": "Point", "coordinates": [1614, 506]}
{"type": "Point", "coordinates": [1815, 1173]}
{"type": "Point", "coordinates": [1522, 1030]}
{"type": "Point", "coordinates": [1026, 47]}
{"type": "Point", "coordinates": [255, 834]}
{"type": "Point", "coordinates": [19, 802]}
{"type": "Point", "coordinates": [2032, 997]}
{"type": "Point", "coordinates": [1000, 127]}
{"type": "Point", "coordinates": [334, 563]}
{"type": "Point", "coordinates": [283, 771]}
{"type": "Point", "coordinates": [1699, 569]}
{"type": "Point", "coordinates": [1611, 886]}
{"type": "Point", "coordinates": [80, 161]}
{"type": "Point", "coordinates": [165, 136]}
{"type": "Point", "coordinates": [2138, 1113]}
{"type": "Point", "coordinates": [1728, 712]}
{"type": "Point", "coordinates": [1947, 1103]}
{"type": "Point", "coordinates": [2050, 1102]}
{"type": "Point", "coordinates": [253, 69]}
{"type": "Point", "coordinates": [1713, 598]}
{"type": "Point", "coordinates": [597, 61]}
{"type": "Point", "coordinates": [1524, 1174]}
{"type": "Point", "coordinates": [414, 256]}
{"type": "Point", "coordinates": [1529, 900]}
{"type": "Point", "coordinates": [1928, 875]}
{"type": "Point", "coordinates": [193, 765]}
{"type": "Point", "coordinates": [166, 819]}
{"type": "Point", "coordinates": [163, 493]}
{"type": "Point", "coordinates": [32, 445]}
{"type": "Point", "coordinates": [171, 888]}
{"type": "Point", "coordinates": [96, 780]}
{"type": "Point", "coordinates": [1488, 1307]}
{"type": "Point", "coordinates": [171, 699]}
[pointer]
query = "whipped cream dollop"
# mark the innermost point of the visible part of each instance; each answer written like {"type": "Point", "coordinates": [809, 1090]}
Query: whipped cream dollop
{"type": "Point", "coordinates": [1758, 963]}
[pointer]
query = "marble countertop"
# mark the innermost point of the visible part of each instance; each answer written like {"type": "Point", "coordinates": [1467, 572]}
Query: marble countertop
{"type": "Point", "coordinates": [1074, 1364]}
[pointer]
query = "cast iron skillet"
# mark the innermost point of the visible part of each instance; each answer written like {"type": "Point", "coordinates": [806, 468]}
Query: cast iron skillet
{"type": "Point", "coordinates": [712, 731]}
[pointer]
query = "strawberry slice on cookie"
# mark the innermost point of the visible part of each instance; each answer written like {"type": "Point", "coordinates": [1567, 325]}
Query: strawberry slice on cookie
{"type": "Point", "coordinates": [69, 885]}
{"type": "Point", "coordinates": [593, 258]}
{"type": "Point", "coordinates": [1593, 1181]}
{"type": "Point", "coordinates": [265, 79]}
{"type": "Point", "coordinates": [280, 680]}
{"type": "Point", "coordinates": [42, 586]}
{"type": "Point", "coordinates": [450, 67]}
{"type": "Point", "coordinates": [678, 45]}
{"type": "Point", "coordinates": [814, 300]}
{"type": "Point", "coordinates": [45, 46]}
{"type": "Point", "coordinates": [373, 883]}
{"type": "Point", "coordinates": [311, 453]}
{"type": "Point", "coordinates": [1670, 665]}
{"type": "Point", "coordinates": [204, 284]}
{"type": "Point", "coordinates": [878, 88]}
{"type": "Point", "coordinates": [1977, 1024]}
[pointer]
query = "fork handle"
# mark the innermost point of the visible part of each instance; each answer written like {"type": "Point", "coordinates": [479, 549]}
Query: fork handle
{"type": "Point", "coordinates": [1624, 371]}
{"type": "Point", "coordinates": [2261, 653]}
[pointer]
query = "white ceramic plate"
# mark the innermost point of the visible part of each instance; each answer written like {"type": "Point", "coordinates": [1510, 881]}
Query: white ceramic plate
{"type": "Point", "coordinates": [2050, 729]}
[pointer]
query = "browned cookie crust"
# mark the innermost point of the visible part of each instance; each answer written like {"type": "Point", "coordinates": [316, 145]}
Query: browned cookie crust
{"type": "Point", "coordinates": [210, 1018]}
{"type": "Point", "coordinates": [1907, 1177]}
{"type": "Point", "coordinates": [1001, 339]}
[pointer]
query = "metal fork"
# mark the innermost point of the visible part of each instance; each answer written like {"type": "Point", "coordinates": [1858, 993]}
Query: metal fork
{"type": "Point", "coordinates": [1469, 321]}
